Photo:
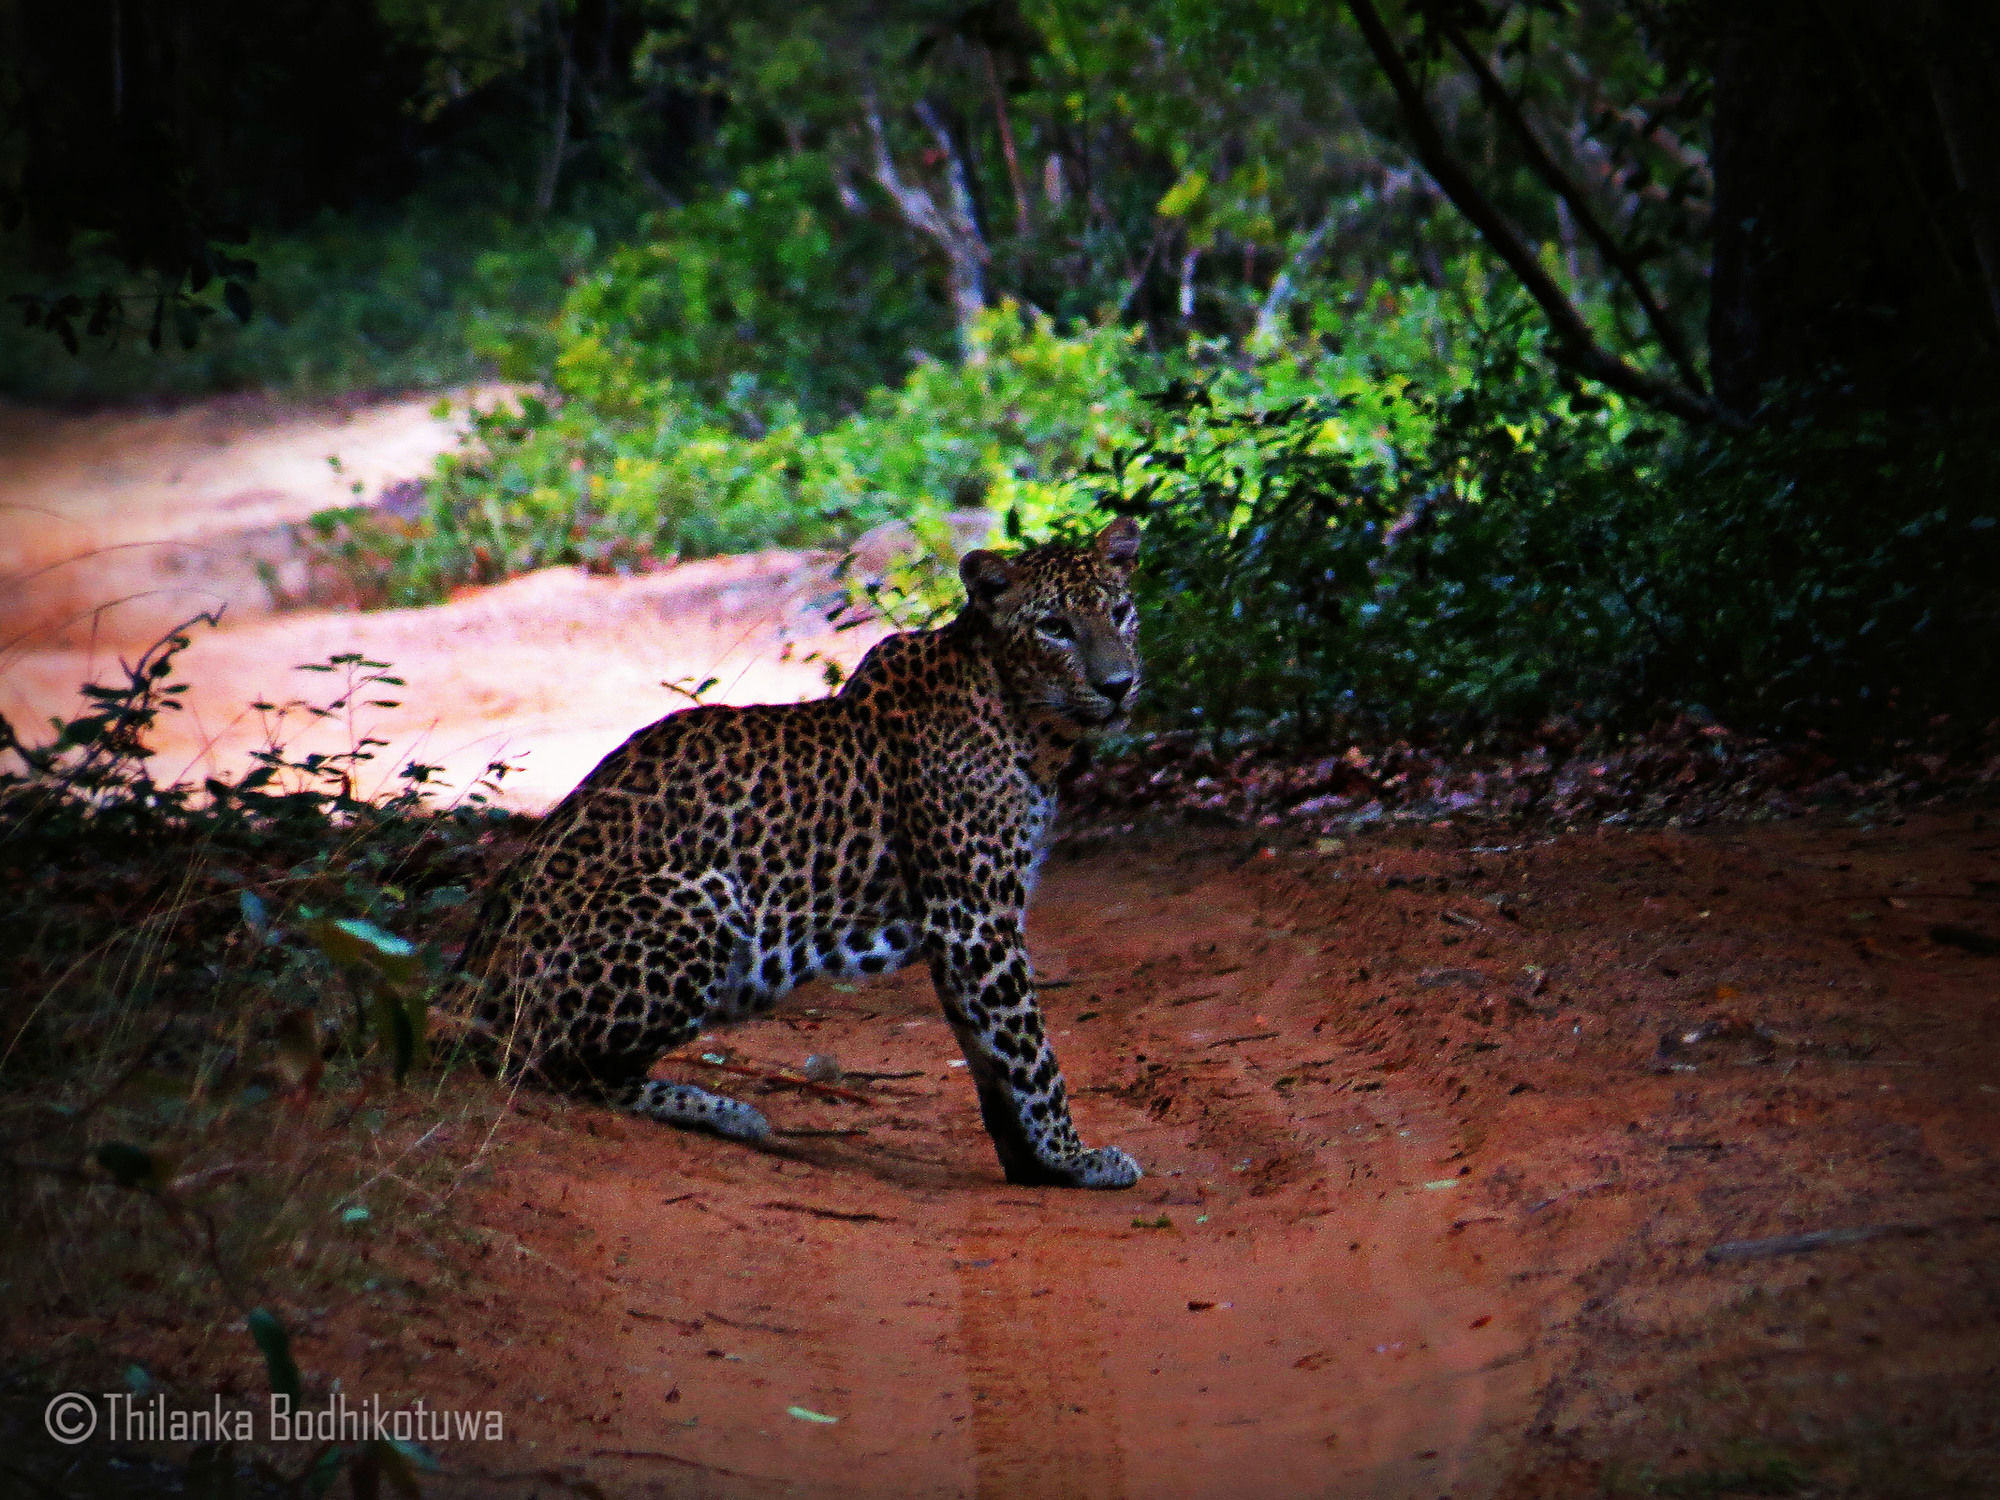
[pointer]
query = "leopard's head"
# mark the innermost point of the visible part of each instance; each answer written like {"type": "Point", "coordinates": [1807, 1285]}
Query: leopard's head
{"type": "Point", "coordinates": [1063, 624]}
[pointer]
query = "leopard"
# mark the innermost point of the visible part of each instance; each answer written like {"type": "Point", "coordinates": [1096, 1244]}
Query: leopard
{"type": "Point", "coordinates": [724, 855]}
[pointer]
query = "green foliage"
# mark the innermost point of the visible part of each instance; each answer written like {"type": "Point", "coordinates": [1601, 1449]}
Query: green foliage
{"type": "Point", "coordinates": [1516, 548]}
{"type": "Point", "coordinates": [205, 992]}
{"type": "Point", "coordinates": [1305, 568]}
{"type": "Point", "coordinates": [624, 471]}
{"type": "Point", "coordinates": [766, 301]}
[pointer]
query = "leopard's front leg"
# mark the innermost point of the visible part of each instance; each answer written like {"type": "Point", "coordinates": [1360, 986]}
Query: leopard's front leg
{"type": "Point", "coordinates": [985, 983]}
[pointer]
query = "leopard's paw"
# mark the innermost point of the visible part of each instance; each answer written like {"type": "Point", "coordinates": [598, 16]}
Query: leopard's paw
{"type": "Point", "coordinates": [1107, 1167]}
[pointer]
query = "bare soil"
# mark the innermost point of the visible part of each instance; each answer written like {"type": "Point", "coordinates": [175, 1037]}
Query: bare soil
{"type": "Point", "coordinates": [115, 526]}
{"type": "Point", "coordinates": [1477, 1166]}
{"type": "Point", "coordinates": [1435, 1189]}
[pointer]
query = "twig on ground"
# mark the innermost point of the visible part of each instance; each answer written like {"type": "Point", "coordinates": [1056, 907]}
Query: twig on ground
{"type": "Point", "coordinates": [1817, 1239]}
{"type": "Point", "coordinates": [785, 1077]}
{"type": "Point", "coordinates": [779, 1328]}
{"type": "Point", "coordinates": [669, 1458]}
{"type": "Point", "coordinates": [828, 1213]}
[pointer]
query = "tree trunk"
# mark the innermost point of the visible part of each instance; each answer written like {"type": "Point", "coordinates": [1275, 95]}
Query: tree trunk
{"type": "Point", "coordinates": [552, 164]}
{"type": "Point", "coordinates": [952, 226]}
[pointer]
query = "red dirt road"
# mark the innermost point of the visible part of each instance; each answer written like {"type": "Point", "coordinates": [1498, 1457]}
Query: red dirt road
{"type": "Point", "coordinates": [1419, 1219]}
{"type": "Point", "coordinates": [1295, 1313]}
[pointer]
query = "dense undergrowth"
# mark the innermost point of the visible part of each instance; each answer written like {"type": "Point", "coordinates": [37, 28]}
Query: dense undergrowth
{"type": "Point", "coordinates": [218, 1113]}
{"type": "Point", "coordinates": [1401, 521]}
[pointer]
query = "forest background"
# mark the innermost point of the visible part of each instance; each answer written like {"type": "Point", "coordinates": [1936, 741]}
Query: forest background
{"type": "Point", "coordinates": [1478, 366]}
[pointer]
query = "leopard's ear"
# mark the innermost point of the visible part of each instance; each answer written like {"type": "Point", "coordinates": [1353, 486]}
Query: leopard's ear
{"type": "Point", "coordinates": [987, 576]}
{"type": "Point", "coordinates": [1118, 543]}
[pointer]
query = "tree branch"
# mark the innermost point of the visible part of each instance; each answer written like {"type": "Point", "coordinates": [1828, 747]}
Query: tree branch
{"type": "Point", "coordinates": [954, 229]}
{"type": "Point", "coordinates": [1544, 166]}
{"type": "Point", "coordinates": [1287, 279]}
{"type": "Point", "coordinates": [965, 223]}
{"type": "Point", "coordinates": [1974, 179]}
{"type": "Point", "coordinates": [1021, 224]}
{"type": "Point", "coordinates": [1575, 346]}
{"type": "Point", "coordinates": [552, 164]}
{"type": "Point", "coordinates": [1642, 122]}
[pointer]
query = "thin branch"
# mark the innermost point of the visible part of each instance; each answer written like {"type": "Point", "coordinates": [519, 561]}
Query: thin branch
{"type": "Point", "coordinates": [1690, 158]}
{"type": "Point", "coordinates": [1575, 346]}
{"type": "Point", "coordinates": [1138, 277]}
{"type": "Point", "coordinates": [1908, 177]}
{"type": "Point", "coordinates": [1946, 68]}
{"type": "Point", "coordinates": [965, 223]}
{"type": "Point", "coordinates": [1021, 223]}
{"type": "Point", "coordinates": [1286, 281]}
{"type": "Point", "coordinates": [552, 165]}
{"type": "Point", "coordinates": [1544, 166]}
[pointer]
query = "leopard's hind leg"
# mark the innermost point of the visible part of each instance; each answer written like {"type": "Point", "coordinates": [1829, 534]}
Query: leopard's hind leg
{"type": "Point", "coordinates": [656, 959]}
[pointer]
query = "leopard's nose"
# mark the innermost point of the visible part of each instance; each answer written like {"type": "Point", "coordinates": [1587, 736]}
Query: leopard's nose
{"type": "Point", "coordinates": [1115, 688]}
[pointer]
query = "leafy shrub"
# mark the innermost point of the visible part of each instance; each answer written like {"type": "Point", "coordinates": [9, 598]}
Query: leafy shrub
{"type": "Point", "coordinates": [765, 303]}
{"type": "Point", "coordinates": [628, 472]}
{"type": "Point", "coordinates": [426, 297]}
{"type": "Point", "coordinates": [1517, 548]}
{"type": "Point", "coordinates": [204, 996]}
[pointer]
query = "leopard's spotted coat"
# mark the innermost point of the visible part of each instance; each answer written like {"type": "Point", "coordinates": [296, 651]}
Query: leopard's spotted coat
{"type": "Point", "coordinates": [724, 855]}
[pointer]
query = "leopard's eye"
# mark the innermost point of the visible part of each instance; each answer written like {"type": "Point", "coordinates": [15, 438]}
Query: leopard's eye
{"type": "Point", "coordinates": [1123, 614]}
{"type": "Point", "coordinates": [1055, 627]}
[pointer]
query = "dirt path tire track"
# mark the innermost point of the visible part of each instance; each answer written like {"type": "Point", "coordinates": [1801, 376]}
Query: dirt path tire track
{"type": "Point", "coordinates": [1297, 1327]}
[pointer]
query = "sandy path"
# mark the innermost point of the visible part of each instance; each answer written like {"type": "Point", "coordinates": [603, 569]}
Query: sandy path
{"type": "Point", "coordinates": [120, 522]}
{"type": "Point", "coordinates": [115, 526]}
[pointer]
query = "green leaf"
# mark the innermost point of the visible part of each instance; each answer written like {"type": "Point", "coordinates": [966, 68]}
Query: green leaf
{"type": "Point", "coordinates": [325, 1469]}
{"type": "Point", "coordinates": [357, 943]}
{"type": "Point", "coordinates": [805, 1414]}
{"type": "Point", "coordinates": [396, 1027]}
{"type": "Point", "coordinates": [276, 1345]}
{"type": "Point", "coordinates": [397, 1462]}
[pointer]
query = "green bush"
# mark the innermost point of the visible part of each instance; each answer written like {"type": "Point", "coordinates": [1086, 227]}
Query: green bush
{"type": "Point", "coordinates": [1518, 548]}
{"type": "Point", "coordinates": [764, 304]}
{"type": "Point", "coordinates": [704, 398]}
{"type": "Point", "coordinates": [625, 470]}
